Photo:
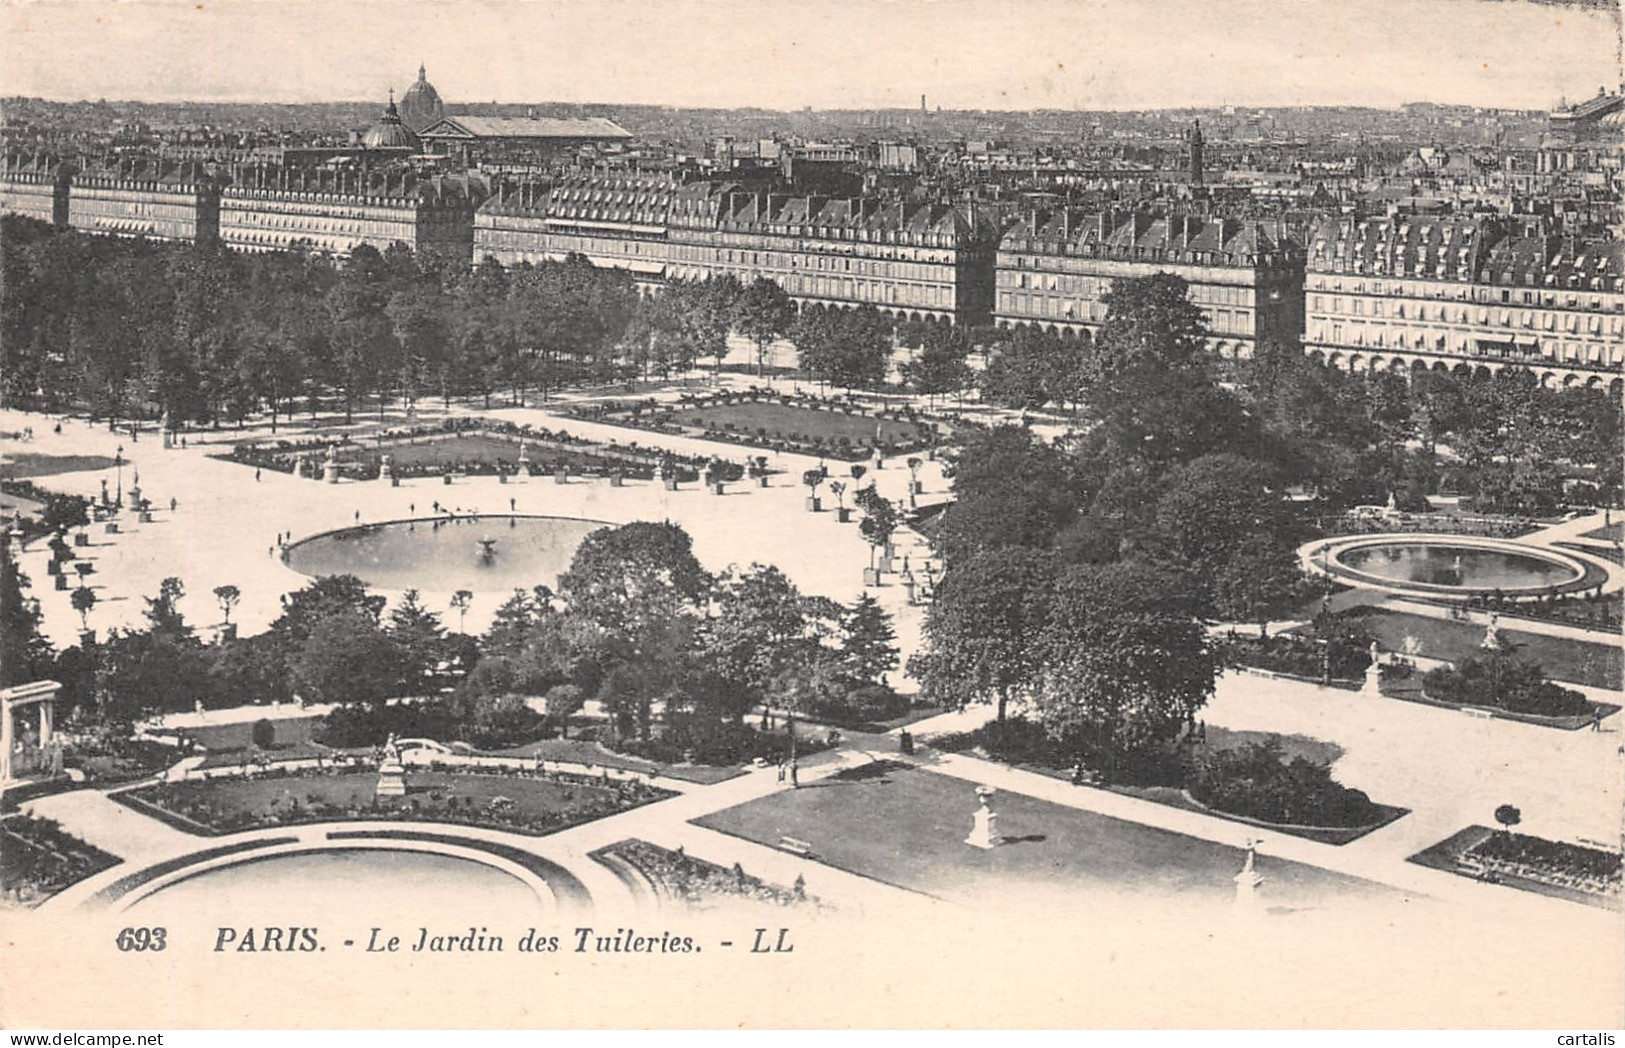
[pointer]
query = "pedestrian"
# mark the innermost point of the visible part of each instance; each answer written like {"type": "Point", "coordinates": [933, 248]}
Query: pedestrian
{"type": "Point", "coordinates": [511, 503]}
{"type": "Point", "coordinates": [256, 474]}
{"type": "Point", "coordinates": [270, 551]}
{"type": "Point", "coordinates": [1596, 719]}
{"type": "Point", "coordinates": [795, 782]}
{"type": "Point", "coordinates": [174, 503]}
{"type": "Point", "coordinates": [411, 507]}
{"type": "Point", "coordinates": [358, 516]}
{"type": "Point", "coordinates": [781, 770]}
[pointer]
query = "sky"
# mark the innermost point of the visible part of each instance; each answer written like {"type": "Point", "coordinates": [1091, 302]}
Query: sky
{"type": "Point", "coordinates": [785, 54]}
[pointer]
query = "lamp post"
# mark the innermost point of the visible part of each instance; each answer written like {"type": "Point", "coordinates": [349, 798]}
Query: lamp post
{"type": "Point", "coordinates": [118, 462]}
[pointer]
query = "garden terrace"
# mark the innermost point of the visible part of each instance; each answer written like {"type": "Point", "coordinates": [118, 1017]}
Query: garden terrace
{"type": "Point", "coordinates": [476, 447]}
{"type": "Point", "coordinates": [517, 802]}
{"type": "Point", "coordinates": [1378, 522]}
{"type": "Point", "coordinates": [808, 425]}
{"type": "Point", "coordinates": [694, 882]}
{"type": "Point", "coordinates": [1578, 872]}
{"type": "Point", "coordinates": [906, 826]}
{"type": "Point", "coordinates": [37, 860]}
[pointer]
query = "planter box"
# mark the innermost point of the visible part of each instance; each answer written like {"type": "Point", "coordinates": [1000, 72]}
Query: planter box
{"type": "Point", "coordinates": [616, 480]}
{"type": "Point", "coordinates": [446, 480]}
{"type": "Point", "coordinates": [761, 481]}
{"type": "Point", "coordinates": [561, 477]}
{"type": "Point", "coordinates": [671, 483]}
{"type": "Point", "coordinates": [61, 581]}
{"type": "Point", "coordinates": [81, 539]}
{"type": "Point", "coordinates": [871, 576]}
{"type": "Point", "coordinates": [814, 504]}
{"type": "Point", "coordinates": [716, 488]}
{"type": "Point", "coordinates": [844, 514]}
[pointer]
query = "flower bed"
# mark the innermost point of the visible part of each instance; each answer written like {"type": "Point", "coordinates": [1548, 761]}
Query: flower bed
{"type": "Point", "coordinates": [1553, 863]}
{"type": "Point", "coordinates": [808, 425]}
{"type": "Point", "coordinates": [517, 802]}
{"type": "Point", "coordinates": [676, 875]}
{"type": "Point", "coordinates": [1300, 658]}
{"type": "Point", "coordinates": [37, 860]}
{"type": "Point", "coordinates": [478, 447]}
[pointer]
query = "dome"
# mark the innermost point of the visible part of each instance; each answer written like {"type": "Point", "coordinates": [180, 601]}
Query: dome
{"type": "Point", "coordinates": [389, 132]}
{"type": "Point", "coordinates": [421, 105]}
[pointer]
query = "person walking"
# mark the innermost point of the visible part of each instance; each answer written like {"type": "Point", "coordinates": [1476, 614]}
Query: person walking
{"type": "Point", "coordinates": [174, 504]}
{"type": "Point", "coordinates": [256, 474]}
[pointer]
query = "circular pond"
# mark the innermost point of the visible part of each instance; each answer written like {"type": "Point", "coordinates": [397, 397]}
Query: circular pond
{"type": "Point", "coordinates": [1453, 567]}
{"type": "Point", "coordinates": [344, 884]}
{"type": "Point", "coordinates": [481, 554]}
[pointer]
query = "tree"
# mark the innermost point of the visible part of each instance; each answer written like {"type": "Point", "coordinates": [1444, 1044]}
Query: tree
{"type": "Point", "coordinates": [1125, 667]}
{"type": "Point", "coordinates": [880, 519]}
{"type": "Point", "coordinates": [763, 628]}
{"type": "Point", "coordinates": [983, 628]}
{"type": "Point", "coordinates": [460, 602]}
{"type": "Point", "coordinates": [511, 624]}
{"type": "Point", "coordinates": [940, 368]}
{"type": "Point", "coordinates": [24, 651]}
{"type": "Point", "coordinates": [83, 599]}
{"type": "Point", "coordinates": [164, 613]}
{"type": "Point", "coordinates": [65, 511]}
{"type": "Point", "coordinates": [563, 700]}
{"type": "Point", "coordinates": [1259, 580]}
{"type": "Point", "coordinates": [347, 658]}
{"type": "Point", "coordinates": [263, 734]}
{"type": "Point", "coordinates": [228, 596]}
{"type": "Point", "coordinates": [318, 601]}
{"type": "Point", "coordinates": [762, 314]}
{"type": "Point", "coordinates": [637, 579]}
{"type": "Point", "coordinates": [868, 651]}
{"type": "Point", "coordinates": [1508, 816]}
{"type": "Point", "coordinates": [1010, 490]}
{"type": "Point", "coordinates": [418, 633]}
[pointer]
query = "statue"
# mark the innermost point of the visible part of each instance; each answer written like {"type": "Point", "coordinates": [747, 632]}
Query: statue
{"type": "Point", "coordinates": [391, 773]}
{"type": "Point", "coordinates": [1492, 633]}
{"type": "Point", "coordinates": [1249, 879]}
{"type": "Point", "coordinates": [487, 549]}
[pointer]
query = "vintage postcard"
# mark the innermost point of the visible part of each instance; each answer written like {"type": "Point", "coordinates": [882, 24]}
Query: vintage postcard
{"type": "Point", "coordinates": [928, 514]}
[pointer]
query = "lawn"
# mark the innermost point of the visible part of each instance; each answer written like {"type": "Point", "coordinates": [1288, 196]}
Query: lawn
{"type": "Point", "coordinates": [791, 421]}
{"type": "Point", "coordinates": [1608, 533]}
{"type": "Point", "coordinates": [1578, 662]}
{"type": "Point", "coordinates": [511, 802]}
{"type": "Point", "coordinates": [29, 464]}
{"type": "Point", "coordinates": [906, 826]}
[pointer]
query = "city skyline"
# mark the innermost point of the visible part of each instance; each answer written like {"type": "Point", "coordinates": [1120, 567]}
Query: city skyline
{"type": "Point", "coordinates": [837, 54]}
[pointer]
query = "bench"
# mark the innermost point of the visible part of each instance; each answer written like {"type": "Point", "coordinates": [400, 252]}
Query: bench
{"type": "Point", "coordinates": [1481, 714]}
{"type": "Point", "coordinates": [795, 845]}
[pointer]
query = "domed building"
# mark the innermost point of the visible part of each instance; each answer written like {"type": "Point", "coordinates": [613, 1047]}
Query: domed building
{"type": "Point", "coordinates": [389, 132]}
{"type": "Point", "coordinates": [421, 105]}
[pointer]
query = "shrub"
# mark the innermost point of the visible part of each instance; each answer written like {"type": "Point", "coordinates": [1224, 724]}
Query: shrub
{"type": "Point", "coordinates": [1257, 782]}
{"type": "Point", "coordinates": [1503, 680]}
{"type": "Point", "coordinates": [263, 734]}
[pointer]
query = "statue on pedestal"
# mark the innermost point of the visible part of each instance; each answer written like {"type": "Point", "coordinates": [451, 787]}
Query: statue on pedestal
{"type": "Point", "coordinates": [1492, 634]}
{"type": "Point", "coordinates": [984, 823]}
{"type": "Point", "coordinates": [1373, 672]}
{"type": "Point", "coordinates": [391, 772]}
{"type": "Point", "coordinates": [1249, 880]}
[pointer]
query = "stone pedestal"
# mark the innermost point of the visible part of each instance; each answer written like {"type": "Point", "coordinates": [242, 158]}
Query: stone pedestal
{"type": "Point", "coordinates": [386, 472]}
{"type": "Point", "coordinates": [1248, 882]}
{"type": "Point", "coordinates": [616, 479]}
{"type": "Point", "coordinates": [330, 472]}
{"type": "Point", "coordinates": [391, 778]}
{"type": "Point", "coordinates": [561, 476]}
{"type": "Point", "coordinates": [984, 823]}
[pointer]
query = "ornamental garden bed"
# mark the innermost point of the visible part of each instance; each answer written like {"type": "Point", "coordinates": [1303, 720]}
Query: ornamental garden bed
{"type": "Point", "coordinates": [1567, 871]}
{"type": "Point", "coordinates": [696, 883]}
{"type": "Point", "coordinates": [1547, 705]}
{"type": "Point", "coordinates": [1573, 661]}
{"type": "Point", "coordinates": [478, 447]}
{"type": "Point", "coordinates": [528, 803]}
{"type": "Point", "coordinates": [809, 425]}
{"type": "Point", "coordinates": [1274, 782]}
{"type": "Point", "coordinates": [38, 859]}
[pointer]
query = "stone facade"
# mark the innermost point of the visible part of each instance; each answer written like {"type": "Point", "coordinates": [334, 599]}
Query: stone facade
{"type": "Point", "coordinates": [35, 187]}
{"type": "Point", "coordinates": [1464, 294]}
{"type": "Point", "coordinates": [150, 198]}
{"type": "Point", "coordinates": [1054, 271]}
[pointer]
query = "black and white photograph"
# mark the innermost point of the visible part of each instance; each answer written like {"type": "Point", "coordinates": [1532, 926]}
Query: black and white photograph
{"type": "Point", "coordinates": [1094, 515]}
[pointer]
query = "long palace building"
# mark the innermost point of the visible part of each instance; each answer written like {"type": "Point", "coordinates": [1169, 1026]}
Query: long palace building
{"type": "Point", "coordinates": [1466, 295]}
{"type": "Point", "coordinates": [920, 261]}
{"type": "Point", "coordinates": [1055, 270]}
